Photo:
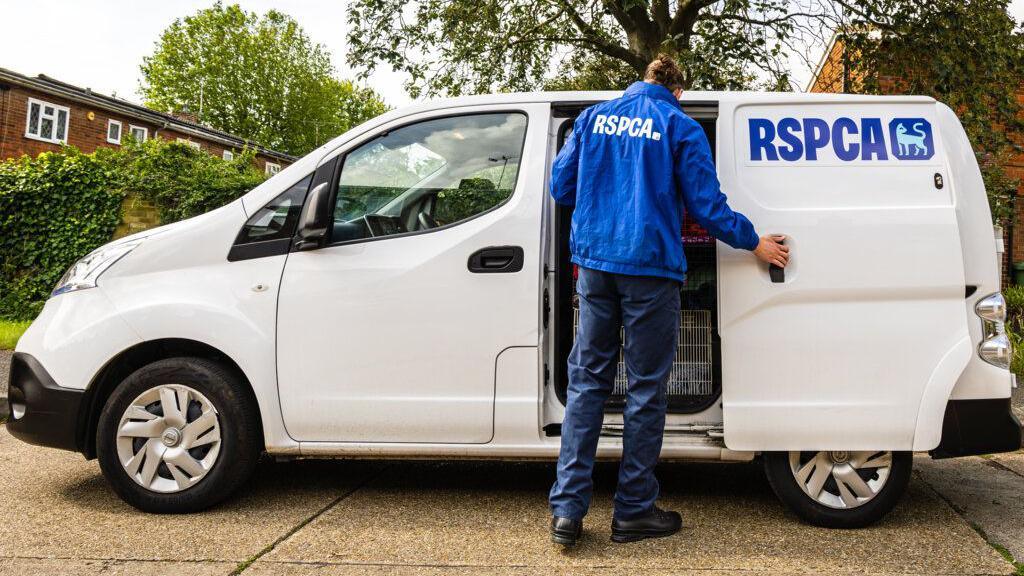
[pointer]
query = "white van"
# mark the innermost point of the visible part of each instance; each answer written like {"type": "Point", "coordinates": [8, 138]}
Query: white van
{"type": "Point", "coordinates": [405, 291]}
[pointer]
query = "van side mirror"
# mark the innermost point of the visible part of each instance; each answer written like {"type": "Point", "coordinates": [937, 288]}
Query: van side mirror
{"type": "Point", "coordinates": [315, 218]}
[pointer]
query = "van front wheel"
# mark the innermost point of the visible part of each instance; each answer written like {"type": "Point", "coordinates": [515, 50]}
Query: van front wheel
{"type": "Point", "coordinates": [839, 489]}
{"type": "Point", "coordinates": [178, 435]}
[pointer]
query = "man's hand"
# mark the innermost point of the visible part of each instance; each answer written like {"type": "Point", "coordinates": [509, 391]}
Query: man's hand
{"type": "Point", "coordinates": [771, 250]}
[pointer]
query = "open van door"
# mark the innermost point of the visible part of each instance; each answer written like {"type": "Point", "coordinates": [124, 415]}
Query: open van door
{"type": "Point", "coordinates": [866, 328]}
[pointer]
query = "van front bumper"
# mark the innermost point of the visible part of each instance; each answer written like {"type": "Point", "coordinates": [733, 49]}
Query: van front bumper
{"type": "Point", "coordinates": [972, 427]}
{"type": "Point", "coordinates": [41, 412]}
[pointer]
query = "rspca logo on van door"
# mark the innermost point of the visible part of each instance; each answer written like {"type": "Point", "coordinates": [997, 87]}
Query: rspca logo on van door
{"type": "Point", "coordinates": [841, 139]}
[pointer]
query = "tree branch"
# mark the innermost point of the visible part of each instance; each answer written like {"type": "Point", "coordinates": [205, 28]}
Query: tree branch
{"type": "Point", "coordinates": [620, 15]}
{"type": "Point", "coordinates": [597, 39]}
{"type": "Point", "coordinates": [660, 15]}
{"type": "Point", "coordinates": [686, 14]}
{"type": "Point", "coordinates": [864, 14]}
{"type": "Point", "coordinates": [749, 20]}
{"type": "Point", "coordinates": [634, 19]}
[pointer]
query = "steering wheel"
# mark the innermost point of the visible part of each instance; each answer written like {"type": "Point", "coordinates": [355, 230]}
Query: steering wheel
{"type": "Point", "coordinates": [426, 221]}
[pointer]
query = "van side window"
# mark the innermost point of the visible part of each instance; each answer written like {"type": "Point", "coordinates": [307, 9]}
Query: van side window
{"type": "Point", "coordinates": [278, 218]}
{"type": "Point", "coordinates": [427, 175]}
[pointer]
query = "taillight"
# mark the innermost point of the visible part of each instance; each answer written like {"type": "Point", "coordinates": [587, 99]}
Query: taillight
{"type": "Point", "coordinates": [995, 345]}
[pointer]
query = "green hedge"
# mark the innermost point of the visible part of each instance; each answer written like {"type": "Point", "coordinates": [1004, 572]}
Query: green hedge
{"type": "Point", "coordinates": [58, 207]}
{"type": "Point", "coordinates": [53, 210]}
{"type": "Point", "coordinates": [1015, 327]}
{"type": "Point", "coordinates": [182, 181]}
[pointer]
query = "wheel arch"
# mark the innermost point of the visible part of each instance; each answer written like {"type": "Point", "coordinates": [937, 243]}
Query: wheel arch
{"type": "Point", "coordinates": [932, 408]}
{"type": "Point", "coordinates": [131, 359]}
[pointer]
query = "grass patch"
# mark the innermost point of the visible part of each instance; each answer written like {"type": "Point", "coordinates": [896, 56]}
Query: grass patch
{"type": "Point", "coordinates": [1018, 567]}
{"type": "Point", "coordinates": [11, 331]}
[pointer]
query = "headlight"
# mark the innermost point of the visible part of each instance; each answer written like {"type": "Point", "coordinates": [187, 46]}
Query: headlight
{"type": "Point", "coordinates": [85, 272]}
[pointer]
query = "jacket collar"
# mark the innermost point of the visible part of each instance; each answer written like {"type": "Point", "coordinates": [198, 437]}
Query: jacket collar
{"type": "Point", "coordinates": [656, 91]}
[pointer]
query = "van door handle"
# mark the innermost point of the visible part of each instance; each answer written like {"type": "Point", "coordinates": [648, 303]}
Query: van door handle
{"type": "Point", "coordinates": [776, 272]}
{"type": "Point", "coordinates": [496, 259]}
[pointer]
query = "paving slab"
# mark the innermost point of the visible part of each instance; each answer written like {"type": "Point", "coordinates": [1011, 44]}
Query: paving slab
{"type": "Point", "coordinates": [77, 567]}
{"type": "Point", "coordinates": [426, 518]}
{"type": "Point", "coordinates": [5, 369]}
{"type": "Point", "coordinates": [1013, 460]}
{"type": "Point", "coordinates": [1017, 400]}
{"type": "Point", "coordinates": [5, 374]}
{"type": "Point", "coordinates": [987, 494]}
{"type": "Point", "coordinates": [5, 356]}
{"type": "Point", "coordinates": [55, 504]}
{"type": "Point", "coordinates": [303, 569]}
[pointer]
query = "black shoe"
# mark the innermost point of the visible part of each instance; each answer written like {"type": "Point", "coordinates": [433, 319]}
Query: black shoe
{"type": "Point", "coordinates": [566, 531]}
{"type": "Point", "coordinates": [657, 523]}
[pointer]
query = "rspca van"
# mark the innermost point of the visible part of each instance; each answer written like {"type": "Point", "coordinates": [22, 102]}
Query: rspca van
{"type": "Point", "coordinates": [406, 291]}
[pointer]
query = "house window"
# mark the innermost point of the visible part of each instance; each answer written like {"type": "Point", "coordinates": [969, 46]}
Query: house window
{"type": "Point", "coordinates": [113, 132]}
{"type": "Point", "coordinates": [47, 122]}
{"type": "Point", "coordinates": [270, 168]}
{"type": "Point", "coordinates": [139, 133]}
{"type": "Point", "coordinates": [190, 143]}
{"type": "Point", "coordinates": [228, 155]}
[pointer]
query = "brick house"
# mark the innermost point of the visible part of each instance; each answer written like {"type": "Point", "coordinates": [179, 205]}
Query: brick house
{"type": "Point", "coordinates": [832, 76]}
{"type": "Point", "coordinates": [39, 113]}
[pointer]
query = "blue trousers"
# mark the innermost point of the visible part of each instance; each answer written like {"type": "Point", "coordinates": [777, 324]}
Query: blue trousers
{"type": "Point", "coordinates": [648, 309]}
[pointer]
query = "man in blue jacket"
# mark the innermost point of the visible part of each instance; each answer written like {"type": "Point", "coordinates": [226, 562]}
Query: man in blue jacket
{"type": "Point", "coordinates": [632, 167]}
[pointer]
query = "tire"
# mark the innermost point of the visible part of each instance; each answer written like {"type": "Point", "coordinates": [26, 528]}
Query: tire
{"type": "Point", "coordinates": [213, 448]}
{"type": "Point", "coordinates": [842, 501]}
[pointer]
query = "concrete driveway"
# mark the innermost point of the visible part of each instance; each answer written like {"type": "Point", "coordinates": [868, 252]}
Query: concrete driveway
{"type": "Point", "coordinates": [364, 517]}
{"type": "Point", "coordinates": [59, 516]}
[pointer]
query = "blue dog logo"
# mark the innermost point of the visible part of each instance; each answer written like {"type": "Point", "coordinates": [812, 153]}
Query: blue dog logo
{"type": "Point", "coordinates": [911, 139]}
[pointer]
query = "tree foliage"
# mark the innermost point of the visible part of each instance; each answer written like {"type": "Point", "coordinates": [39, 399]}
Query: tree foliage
{"type": "Point", "coordinates": [967, 54]}
{"type": "Point", "coordinates": [259, 77]}
{"type": "Point", "coordinates": [181, 181]}
{"type": "Point", "coordinates": [467, 46]}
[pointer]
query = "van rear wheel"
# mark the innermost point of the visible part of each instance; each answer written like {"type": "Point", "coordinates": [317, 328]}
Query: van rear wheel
{"type": "Point", "coordinates": [839, 489]}
{"type": "Point", "coordinates": [178, 435]}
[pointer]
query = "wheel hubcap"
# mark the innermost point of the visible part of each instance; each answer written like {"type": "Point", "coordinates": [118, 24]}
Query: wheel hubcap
{"type": "Point", "coordinates": [171, 437]}
{"type": "Point", "coordinates": [841, 479]}
{"type": "Point", "coordinates": [168, 438]}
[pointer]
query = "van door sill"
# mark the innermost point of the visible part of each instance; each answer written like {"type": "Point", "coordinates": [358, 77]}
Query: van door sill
{"type": "Point", "coordinates": [698, 430]}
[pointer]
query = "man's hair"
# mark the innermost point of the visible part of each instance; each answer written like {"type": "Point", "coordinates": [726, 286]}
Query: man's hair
{"type": "Point", "coordinates": [664, 70]}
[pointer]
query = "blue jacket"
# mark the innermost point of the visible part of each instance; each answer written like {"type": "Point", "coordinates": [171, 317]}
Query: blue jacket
{"type": "Point", "coordinates": [631, 168]}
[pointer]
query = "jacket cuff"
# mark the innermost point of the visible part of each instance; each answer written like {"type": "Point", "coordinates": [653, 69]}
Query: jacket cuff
{"type": "Point", "coordinates": [752, 241]}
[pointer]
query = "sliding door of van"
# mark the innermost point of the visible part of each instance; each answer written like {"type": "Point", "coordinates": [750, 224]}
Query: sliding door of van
{"type": "Point", "coordinates": [838, 352]}
{"type": "Point", "coordinates": [390, 333]}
